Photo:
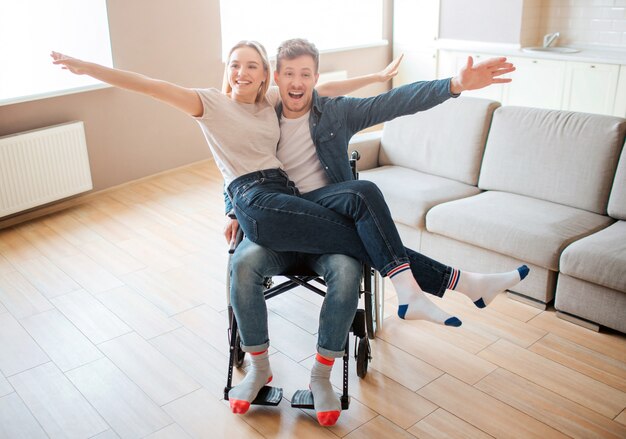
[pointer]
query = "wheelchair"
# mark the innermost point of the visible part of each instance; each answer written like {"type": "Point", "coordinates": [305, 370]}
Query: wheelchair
{"type": "Point", "coordinates": [367, 321]}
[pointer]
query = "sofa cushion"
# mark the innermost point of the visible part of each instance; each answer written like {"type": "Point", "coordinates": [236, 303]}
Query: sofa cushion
{"type": "Point", "coordinates": [447, 140]}
{"type": "Point", "coordinates": [559, 156]}
{"type": "Point", "coordinates": [410, 194]}
{"type": "Point", "coordinates": [617, 199]}
{"type": "Point", "coordinates": [599, 258]}
{"type": "Point", "coordinates": [525, 228]}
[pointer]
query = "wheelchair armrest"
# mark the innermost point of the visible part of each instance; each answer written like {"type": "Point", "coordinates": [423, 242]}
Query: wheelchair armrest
{"type": "Point", "coordinates": [235, 242]}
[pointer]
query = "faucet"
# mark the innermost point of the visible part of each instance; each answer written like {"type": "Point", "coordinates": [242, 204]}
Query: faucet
{"type": "Point", "coordinates": [548, 39]}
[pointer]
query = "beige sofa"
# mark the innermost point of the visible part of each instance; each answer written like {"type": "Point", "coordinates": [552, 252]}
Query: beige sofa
{"type": "Point", "coordinates": [487, 188]}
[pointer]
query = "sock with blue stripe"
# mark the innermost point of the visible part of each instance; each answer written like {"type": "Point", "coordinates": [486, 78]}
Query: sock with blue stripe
{"type": "Point", "coordinates": [483, 288]}
{"type": "Point", "coordinates": [412, 301]}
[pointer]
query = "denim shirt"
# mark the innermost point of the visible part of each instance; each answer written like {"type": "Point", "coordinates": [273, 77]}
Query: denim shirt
{"type": "Point", "coordinates": [333, 121]}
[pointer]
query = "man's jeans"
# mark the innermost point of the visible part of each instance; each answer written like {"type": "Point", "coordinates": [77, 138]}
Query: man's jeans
{"type": "Point", "coordinates": [350, 218]}
{"type": "Point", "coordinates": [251, 263]}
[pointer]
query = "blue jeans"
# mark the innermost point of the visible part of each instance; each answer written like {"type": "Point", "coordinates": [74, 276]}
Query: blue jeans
{"type": "Point", "coordinates": [350, 218]}
{"type": "Point", "coordinates": [251, 263]}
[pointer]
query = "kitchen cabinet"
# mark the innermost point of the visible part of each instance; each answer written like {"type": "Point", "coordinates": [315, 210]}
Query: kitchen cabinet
{"type": "Point", "coordinates": [590, 87]}
{"type": "Point", "coordinates": [536, 83]}
{"type": "Point", "coordinates": [619, 108]}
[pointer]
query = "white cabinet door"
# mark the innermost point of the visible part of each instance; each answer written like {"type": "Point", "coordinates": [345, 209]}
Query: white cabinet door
{"type": "Point", "coordinates": [536, 83]}
{"type": "Point", "coordinates": [590, 88]}
{"type": "Point", "coordinates": [619, 109]}
{"type": "Point", "coordinates": [415, 30]}
{"type": "Point", "coordinates": [451, 63]}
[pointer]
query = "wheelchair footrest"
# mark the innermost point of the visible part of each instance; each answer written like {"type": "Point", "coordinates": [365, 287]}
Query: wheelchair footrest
{"type": "Point", "coordinates": [303, 399]}
{"type": "Point", "coordinates": [268, 396]}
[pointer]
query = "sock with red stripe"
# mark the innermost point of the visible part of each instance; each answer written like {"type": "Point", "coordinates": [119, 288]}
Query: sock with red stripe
{"type": "Point", "coordinates": [325, 400]}
{"type": "Point", "coordinates": [412, 301]}
{"type": "Point", "coordinates": [259, 374]}
{"type": "Point", "coordinates": [483, 288]}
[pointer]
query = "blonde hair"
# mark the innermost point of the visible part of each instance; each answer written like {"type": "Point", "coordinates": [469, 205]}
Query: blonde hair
{"type": "Point", "coordinates": [227, 89]}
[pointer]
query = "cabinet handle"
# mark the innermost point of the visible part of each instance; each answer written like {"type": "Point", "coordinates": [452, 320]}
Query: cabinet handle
{"type": "Point", "coordinates": [535, 61]}
{"type": "Point", "coordinates": [593, 67]}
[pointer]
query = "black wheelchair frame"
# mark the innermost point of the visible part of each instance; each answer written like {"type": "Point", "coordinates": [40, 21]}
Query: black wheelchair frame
{"type": "Point", "coordinates": [364, 326]}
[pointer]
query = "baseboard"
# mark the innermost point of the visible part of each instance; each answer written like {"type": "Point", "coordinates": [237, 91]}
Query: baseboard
{"type": "Point", "coordinates": [588, 324]}
{"type": "Point", "coordinates": [527, 300]}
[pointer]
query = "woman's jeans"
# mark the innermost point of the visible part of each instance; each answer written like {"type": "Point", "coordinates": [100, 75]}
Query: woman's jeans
{"type": "Point", "coordinates": [250, 265]}
{"type": "Point", "coordinates": [350, 218]}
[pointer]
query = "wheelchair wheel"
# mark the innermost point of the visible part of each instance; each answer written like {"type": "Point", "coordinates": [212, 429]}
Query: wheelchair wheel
{"type": "Point", "coordinates": [239, 354]}
{"type": "Point", "coordinates": [362, 357]}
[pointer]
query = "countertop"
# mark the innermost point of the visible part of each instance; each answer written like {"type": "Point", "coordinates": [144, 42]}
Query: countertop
{"type": "Point", "coordinates": [593, 54]}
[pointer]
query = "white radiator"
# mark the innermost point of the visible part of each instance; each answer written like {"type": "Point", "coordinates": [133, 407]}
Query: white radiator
{"type": "Point", "coordinates": [44, 165]}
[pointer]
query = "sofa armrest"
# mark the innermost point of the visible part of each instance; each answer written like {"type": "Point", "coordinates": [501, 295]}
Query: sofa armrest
{"type": "Point", "coordinates": [368, 146]}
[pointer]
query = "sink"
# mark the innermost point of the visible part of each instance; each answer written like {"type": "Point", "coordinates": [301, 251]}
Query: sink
{"type": "Point", "coordinates": [551, 49]}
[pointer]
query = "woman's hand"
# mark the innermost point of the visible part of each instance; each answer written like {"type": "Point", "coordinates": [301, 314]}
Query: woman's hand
{"type": "Point", "coordinates": [230, 230]}
{"type": "Point", "coordinates": [391, 70]}
{"type": "Point", "coordinates": [74, 65]}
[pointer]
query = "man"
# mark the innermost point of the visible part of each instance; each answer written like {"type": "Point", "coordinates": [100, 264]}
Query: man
{"type": "Point", "coordinates": [315, 132]}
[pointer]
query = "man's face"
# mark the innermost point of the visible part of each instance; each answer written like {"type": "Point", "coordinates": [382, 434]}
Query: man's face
{"type": "Point", "coordinates": [296, 79]}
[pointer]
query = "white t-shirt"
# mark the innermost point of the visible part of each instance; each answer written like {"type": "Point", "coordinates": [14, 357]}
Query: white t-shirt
{"type": "Point", "coordinates": [242, 137]}
{"type": "Point", "coordinates": [297, 153]}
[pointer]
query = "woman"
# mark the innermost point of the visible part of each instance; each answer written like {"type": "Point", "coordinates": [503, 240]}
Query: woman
{"type": "Point", "coordinates": [241, 128]}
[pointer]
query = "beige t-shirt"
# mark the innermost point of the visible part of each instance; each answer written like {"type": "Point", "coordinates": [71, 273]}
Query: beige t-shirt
{"type": "Point", "coordinates": [242, 137]}
{"type": "Point", "coordinates": [297, 152]}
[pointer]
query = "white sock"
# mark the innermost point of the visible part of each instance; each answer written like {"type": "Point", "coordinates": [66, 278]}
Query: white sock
{"type": "Point", "coordinates": [412, 301]}
{"type": "Point", "coordinates": [259, 374]}
{"type": "Point", "coordinates": [326, 402]}
{"type": "Point", "coordinates": [483, 288]}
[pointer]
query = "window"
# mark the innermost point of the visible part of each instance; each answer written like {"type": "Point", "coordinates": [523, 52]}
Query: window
{"type": "Point", "coordinates": [31, 29]}
{"type": "Point", "coordinates": [330, 24]}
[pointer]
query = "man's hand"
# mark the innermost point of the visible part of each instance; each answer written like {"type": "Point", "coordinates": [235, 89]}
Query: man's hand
{"type": "Point", "coordinates": [391, 70]}
{"type": "Point", "coordinates": [230, 230]}
{"type": "Point", "coordinates": [480, 75]}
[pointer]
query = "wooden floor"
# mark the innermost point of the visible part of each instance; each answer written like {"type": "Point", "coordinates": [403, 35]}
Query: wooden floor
{"type": "Point", "coordinates": [112, 324]}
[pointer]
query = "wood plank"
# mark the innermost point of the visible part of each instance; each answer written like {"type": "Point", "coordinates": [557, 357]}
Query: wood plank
{"type": "Point", "coordinates": [551, 375]}
{"type": "Point", "coordinates": [46, 240]}
{"type": "Point", "coordinates": [111, 257]}
{"type": "Point", "coordinates": [172, 431]}
{"type": "Point", "coordinates": [381, 394]}
{"type": "Point", "coordinates": [621, 418]}
{"type": "Point", "coordinates": [548, 407]}
{"type": "Point", "coordinates": [160, 291]}
{"type": "Point", "coordinates": [591, 363]}
{"type": "Point", "coordinates": [154, 373]}
{"type": "Point", "coordinates": [286, 422]}
{"type": "Point", "coordinates": [109, 434]}
{"type": "Point", "coordinates": [58, 406]}
{"type": "Point", "coordinates": [5, 265]}
{"type": "Point", "coordinates": [16, 421]}
{"type": "Point", "coordinates": [441, 424]}
{"type": "Point", "coordinates": [91, 317]}
{"type": "Point", "coordinates": [207, 324]}
{"type": "Point", "coordinates": [15, 248]}
{"type": "Point", "coordinates": [124, 406]}
{"type": "Point", "coordinates": [5, 387]}
{"type": "Point", "coordinates": [20, 297]}
{"type": "Point", "coordinates": [104, 225]}
{"type": "Point", "coordinates": [66, 346]}
{"type": "Point", "coordinates": [88, 274]}
{"type": "Point", "coordinates": [290, 339]}
{"type": "Point", "coordinates": [296, 310]}
{"type": "Point", "coordinates": [150, 254]}
{"type": "Point", "coordinates": [400, 366]}
{"type": "Point", "coordinates": [47, 277]}
{"type": "Point", "coordinates": [199, 360]}
{"type": "Point", "coordinates": [377, 428]}
{"type": "Point", "coordinates": [203, 416]}
{"type": "Point", "coordinates": [69, 228]}
{"type": "Point", "coordinates": [137, 312]}
{"type": "Point", "coordinates": [611, 344]}
{"type": "Point", "coordinates": [408, 336]}
{"type": "Point", "coordinates": [19, 351]}
{"type": "Point", "coordinates": [483, 411]}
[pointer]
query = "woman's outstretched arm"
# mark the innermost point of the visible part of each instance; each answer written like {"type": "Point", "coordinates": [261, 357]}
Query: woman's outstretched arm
{"type": "Point", "coordinates": [345, 86]}
{"type": "Point", "coordinates": [185, 99]}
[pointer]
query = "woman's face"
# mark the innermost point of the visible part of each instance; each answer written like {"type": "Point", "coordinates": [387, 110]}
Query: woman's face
{"type": "Point", "coordinates": [245, 74]}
